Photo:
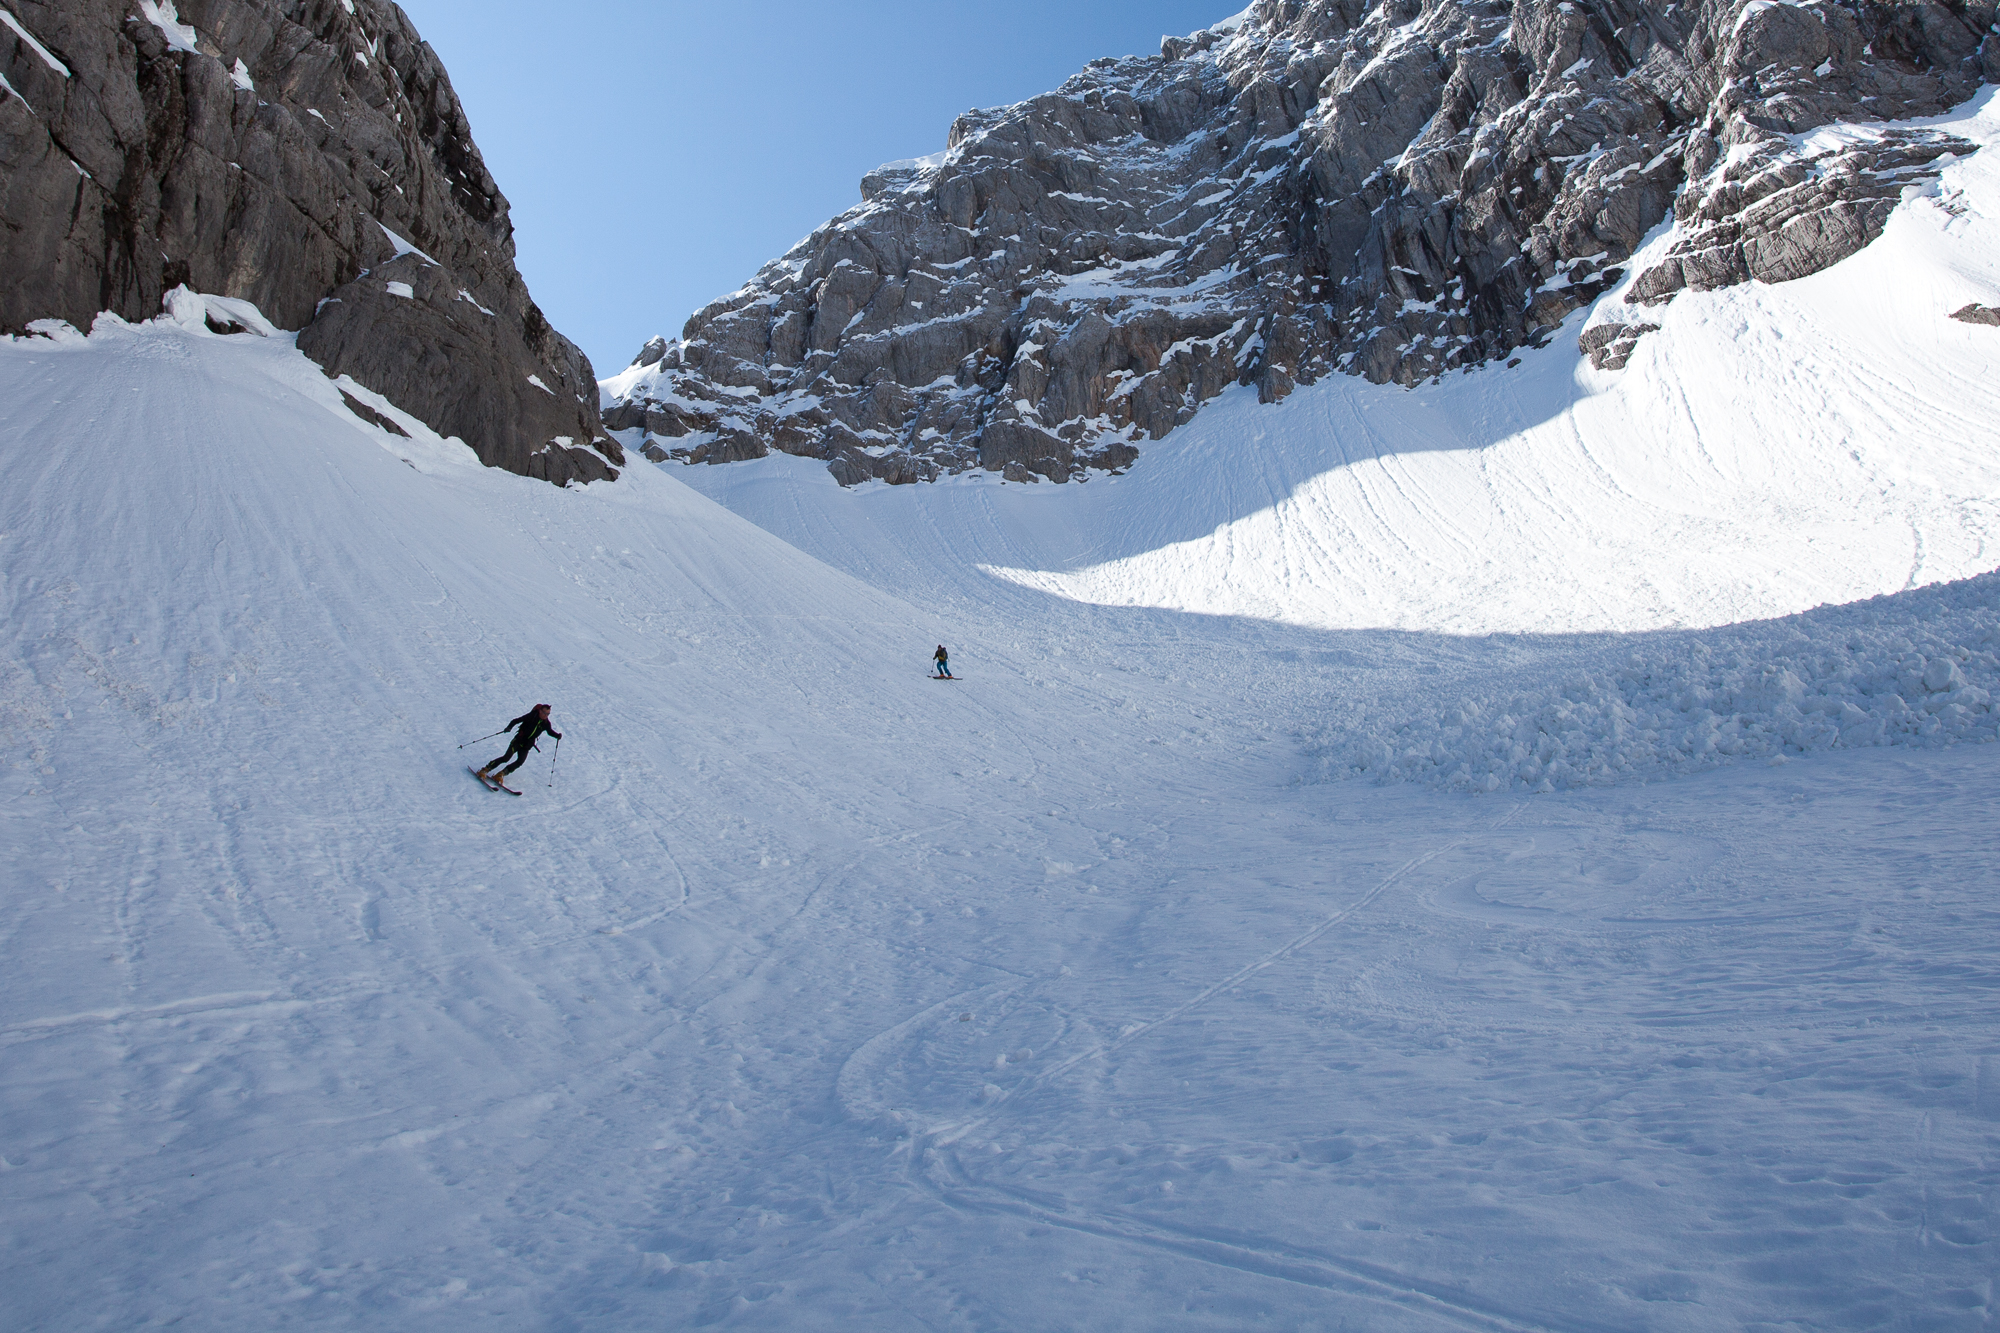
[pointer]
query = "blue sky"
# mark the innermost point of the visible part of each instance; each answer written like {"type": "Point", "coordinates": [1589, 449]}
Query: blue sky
{"type": "Point", "coordinates": [656, 152]}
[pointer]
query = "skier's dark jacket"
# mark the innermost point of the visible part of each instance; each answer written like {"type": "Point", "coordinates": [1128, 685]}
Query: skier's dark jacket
{"type": "Point", "coordinates": [524, 740]}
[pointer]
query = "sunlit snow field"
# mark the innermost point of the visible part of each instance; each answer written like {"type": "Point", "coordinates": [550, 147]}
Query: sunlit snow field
{"type": "Point", "coordinates": [1096, 989]}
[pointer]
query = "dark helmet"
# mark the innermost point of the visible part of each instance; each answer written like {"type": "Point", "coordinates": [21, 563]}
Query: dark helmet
{"type": "Point", "coordinates": [543, 709]}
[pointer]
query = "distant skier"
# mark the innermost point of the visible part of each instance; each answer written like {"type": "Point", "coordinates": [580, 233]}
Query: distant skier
{"type": "Point", "coordinates": [943, 660]}
{"type": "Point", "coordinates": [527, 728]}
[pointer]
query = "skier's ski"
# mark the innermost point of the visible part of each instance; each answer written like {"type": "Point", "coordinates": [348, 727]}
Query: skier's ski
{"type": "Point", "coordinates": [938, 677]}
{"type": "Point", "coordinates": [491, 784]}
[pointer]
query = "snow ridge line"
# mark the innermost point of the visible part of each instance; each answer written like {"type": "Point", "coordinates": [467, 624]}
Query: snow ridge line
{"type": "Point", "coordinates": [951, 1134]}
{"type": "Point", "coordinates": [1281, 1263]}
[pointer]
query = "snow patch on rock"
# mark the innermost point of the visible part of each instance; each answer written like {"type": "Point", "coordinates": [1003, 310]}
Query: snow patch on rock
{"type": "Point", "coordinates": [200, 311]}
{"type": "Point", "coordinates": [404, 246]}
{"type": "Point", "coordinates": [48, 57]}
{"type": "Point", "coordinates": [163, 15]}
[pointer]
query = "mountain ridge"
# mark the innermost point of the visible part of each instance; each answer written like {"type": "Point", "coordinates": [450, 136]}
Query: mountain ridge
{"type": "Point", "coordinates": [1385, 189]}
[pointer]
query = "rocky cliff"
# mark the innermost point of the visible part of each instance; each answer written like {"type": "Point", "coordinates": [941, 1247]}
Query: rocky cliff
{"type": "Point", "coordinates": [1388, 188]}
{"type": "Point", "coordinates": [306, 155]}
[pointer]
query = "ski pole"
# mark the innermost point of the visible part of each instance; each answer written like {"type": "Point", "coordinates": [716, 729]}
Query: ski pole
{"type": "Point", "coordinates": [552, 761]}
{"type": "Point", "coordinates": [487, 737]}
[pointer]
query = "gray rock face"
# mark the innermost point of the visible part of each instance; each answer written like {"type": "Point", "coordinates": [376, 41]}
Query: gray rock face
{"type": "Point", "coordinates": [1776, 213]}
{"type": "Point", "coordinates": [1609, 346]}
{"type": "Point", "coordinates": [1389, 188]}
{"type": "Point", "coordinates": [1978, 314]}
{"type": "Point", "coordinates": [293, 153]}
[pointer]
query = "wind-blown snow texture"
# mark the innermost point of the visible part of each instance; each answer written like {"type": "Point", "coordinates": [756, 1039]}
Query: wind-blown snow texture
{"type": "Point", "coordinates": [811, 994]}
{"type": "Point", "coordinates": [1395, 190]}
{"type": "Point", "coordinates": [1920, 668]}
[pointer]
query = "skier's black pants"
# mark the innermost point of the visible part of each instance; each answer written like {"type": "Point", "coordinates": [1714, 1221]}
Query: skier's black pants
{"type": "Point", "coordinates": [519, 757]}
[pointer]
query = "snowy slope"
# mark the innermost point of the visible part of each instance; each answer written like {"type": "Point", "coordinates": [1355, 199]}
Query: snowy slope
{"type": "Point", "coordinates": [1768, 449]}
{"type": "Point", "coordinates": [808, 993]}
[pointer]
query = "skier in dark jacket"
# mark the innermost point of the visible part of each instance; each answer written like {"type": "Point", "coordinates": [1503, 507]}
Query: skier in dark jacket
{"type": "Point", "coordinates": [527, 728]}
{"type": "Point", "coordinates": [943, 660]}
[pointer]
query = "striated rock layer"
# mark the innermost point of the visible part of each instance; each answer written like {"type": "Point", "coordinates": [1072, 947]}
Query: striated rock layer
{"type": "Point", "coordinates": [1386, 188]}
{"type": "Point", "coordinates": [307, 155]}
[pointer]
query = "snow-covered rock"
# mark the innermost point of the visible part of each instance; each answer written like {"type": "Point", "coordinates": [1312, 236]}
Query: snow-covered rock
{"type": "Point", "coordinates": [1383, 188]}
{"type": "Point", "coordinates": [280, 154]}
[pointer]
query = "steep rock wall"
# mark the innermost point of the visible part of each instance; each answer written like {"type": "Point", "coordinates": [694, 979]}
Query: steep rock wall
{"type": "Point", "coordinates": [307, 155]}
{"type": "Point", "coordinates": [1379, 187]}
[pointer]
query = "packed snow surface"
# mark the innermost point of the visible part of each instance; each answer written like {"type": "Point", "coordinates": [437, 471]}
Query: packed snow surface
{"type": "Point", "coordinates": [801, 991]}
{"type": "Point", "coordinates": [1919, 669]}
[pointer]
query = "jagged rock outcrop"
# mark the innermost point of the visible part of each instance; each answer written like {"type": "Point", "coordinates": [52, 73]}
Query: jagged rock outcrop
{"type": "Point", "coordinates": [1390, 188]}
{"type": "Point", "coordinates": [1777, 212]}
{"type": "Point", "coordinates": [307, 155]}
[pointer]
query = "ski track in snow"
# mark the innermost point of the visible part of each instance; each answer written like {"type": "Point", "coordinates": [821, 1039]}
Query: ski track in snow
{"type": "Point", "coordinates": [809, 996]}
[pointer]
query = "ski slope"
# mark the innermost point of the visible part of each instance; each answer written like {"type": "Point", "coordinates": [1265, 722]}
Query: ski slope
{"type": "Point", "coordinates": [802, 992]}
